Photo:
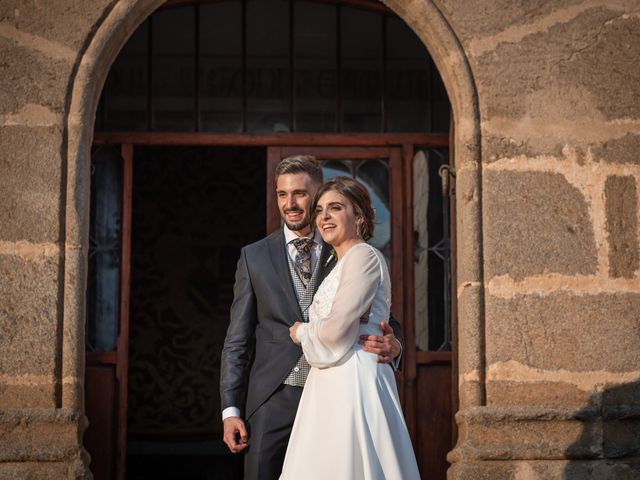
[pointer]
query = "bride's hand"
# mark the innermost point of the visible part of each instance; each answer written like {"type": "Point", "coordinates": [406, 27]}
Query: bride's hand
{"type": "Point", "coordinates": [293, 329]}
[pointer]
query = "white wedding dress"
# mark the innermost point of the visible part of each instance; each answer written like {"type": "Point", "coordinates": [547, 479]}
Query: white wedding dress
{"type": "Point", "coordinates": [349, 424]}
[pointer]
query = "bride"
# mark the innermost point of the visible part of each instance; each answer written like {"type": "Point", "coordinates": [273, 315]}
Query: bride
{"type": "Point", "coordinates": [349, 424]}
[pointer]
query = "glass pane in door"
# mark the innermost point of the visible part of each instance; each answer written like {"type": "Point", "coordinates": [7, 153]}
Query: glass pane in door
{"type": "Point", "coordinates": [433, 252]}
{"type": "Point", "coordinates": [373, 174]}
{"type": "Point", "coordinates": [103, 288]}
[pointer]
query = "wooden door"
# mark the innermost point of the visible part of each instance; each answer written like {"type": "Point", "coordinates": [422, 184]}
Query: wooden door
{"type": "Point", "coordinates": [425, 379]}
{"type": "Point", "coordinates": [385, 163]}
{"type": "Point", "coordinates": [108, 311]}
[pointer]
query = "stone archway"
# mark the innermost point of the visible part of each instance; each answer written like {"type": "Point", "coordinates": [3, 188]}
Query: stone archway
{"type": "Point", "coordinates": [430, 25]}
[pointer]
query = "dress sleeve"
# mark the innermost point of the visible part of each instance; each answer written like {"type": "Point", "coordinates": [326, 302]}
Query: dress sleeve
{"type": "Point", "coordinates": [327, 340]}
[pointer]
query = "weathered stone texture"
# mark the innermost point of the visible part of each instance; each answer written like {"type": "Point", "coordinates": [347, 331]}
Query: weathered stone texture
{"type": "Point", "coordinates": [42, 19]}
{"type": "Point", "coordinates": [40, 395]}
{"type": "Point", "coordinates": [536, 76]}
{"type": "Point", "coordinates": [621, 438]}
{"type": "Point", "coordinates": [595, 470]}
{"type": "Point", "coordinates": [560, 84]}
{"type": "Point", "coordinates": [497, 147]}
{"type": "Point", "coordinates": [546, 394]}
{"type": "Point", "coordinates": [541, 443]}
{"type": "Point", "coordinates": [30, 77]}
{"type": "Point", "coordinates": [536, 223]}
{"type": "Point", "coordinates": [39, 435]}
{"type": "Point", "coordinates": [564, 331]}
{"type": "Point", "coordinates": [30, 184]}
{"type": "Point", "coordinates": [27, 439]}
{"type": "Point", "coordinates": [35, 471]}
{"type": "Point", "coordinates": [621, 399]}
{"type": "Point", "coordinates": [468, 225]}
{"type": "Point", "coordinates": [489, 17]}
{"type": "Point", "coordinates": [618, 150]}
{"type": "Point", "coordinates": [601, 60]}
{"type": "Point", "coordinates": [528, 433]}
{"type": "Point", "coordinates": [482, 470]}
{"type": "Point", "coordinates": [547, 470]}
{"type": "Point", "coordinates": [621, 195]}
{"type": "Point", "coordinates": [468, 300]}
{"type": "Point", "coordinates": [28, 315]}
{"type": "Point", "coordinates": [625, 149]}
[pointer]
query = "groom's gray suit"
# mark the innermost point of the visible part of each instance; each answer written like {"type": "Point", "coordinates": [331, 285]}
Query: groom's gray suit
{"type": "Point", "coordinates": [258, 353]}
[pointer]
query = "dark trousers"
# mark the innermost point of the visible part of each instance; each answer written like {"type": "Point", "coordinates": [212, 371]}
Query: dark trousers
{"type": "Point", "coordinates": [269, 429]}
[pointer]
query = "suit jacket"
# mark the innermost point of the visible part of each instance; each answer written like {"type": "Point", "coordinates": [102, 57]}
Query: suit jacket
{"type": "Point", "coordinates": [258, 353]}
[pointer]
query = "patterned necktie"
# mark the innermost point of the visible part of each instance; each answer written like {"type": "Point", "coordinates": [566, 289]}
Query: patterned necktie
{"type": "Point", "coordinates": [302, 262]}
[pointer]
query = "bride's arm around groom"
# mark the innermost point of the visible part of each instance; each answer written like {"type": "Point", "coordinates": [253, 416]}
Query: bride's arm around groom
{"type": "Point", "coordinates": [327, 341]}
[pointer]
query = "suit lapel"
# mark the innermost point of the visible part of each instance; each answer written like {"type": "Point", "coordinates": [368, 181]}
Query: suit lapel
{"type": "Point", "coordinates": [325, 264]}
{"type": "Point", "coordinates": [277, 249]}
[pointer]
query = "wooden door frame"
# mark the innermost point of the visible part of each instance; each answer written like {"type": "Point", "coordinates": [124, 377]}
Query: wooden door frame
{"type": "Point", "coordinates": [119, 359]}
{"type": "Point", "coordinates": [399, 148]}
{"type": "Point", "coordinates": [430, 140]}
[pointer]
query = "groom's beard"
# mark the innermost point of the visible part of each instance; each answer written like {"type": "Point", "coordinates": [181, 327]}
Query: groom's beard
{"type": "Point", "coordinates": [301, 225]}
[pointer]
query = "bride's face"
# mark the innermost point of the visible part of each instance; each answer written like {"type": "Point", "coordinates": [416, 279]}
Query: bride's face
{"type": "Point", "coordinates": [335, 218]}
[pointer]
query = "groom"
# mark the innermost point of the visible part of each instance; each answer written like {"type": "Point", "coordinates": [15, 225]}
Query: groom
{"type": "Point", "coordinates": [262, 368]}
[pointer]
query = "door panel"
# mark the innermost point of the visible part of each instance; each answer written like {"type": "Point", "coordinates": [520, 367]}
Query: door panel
{"type": "Point", "coordinates": [100, 437]}
{"type": "Point", "coordinates": [108, 311]}
{"type": "Point", "coordinates": [424, 381]}
{"type": "Point", "coordinates": [387, 169]}
{"type": "Point", "coordinates": [433, 430]}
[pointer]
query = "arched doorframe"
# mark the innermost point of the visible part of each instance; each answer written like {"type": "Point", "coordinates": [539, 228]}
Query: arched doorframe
{"type": "Point", "coordinates": [91, 69]}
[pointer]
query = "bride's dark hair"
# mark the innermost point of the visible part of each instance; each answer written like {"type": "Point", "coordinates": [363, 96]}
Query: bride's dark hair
{"type": "Point", "coordinates": [359, 197]}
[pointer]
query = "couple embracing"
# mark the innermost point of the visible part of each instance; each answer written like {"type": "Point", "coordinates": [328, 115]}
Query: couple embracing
{"type": "Point", "coordinates": [311, 309]}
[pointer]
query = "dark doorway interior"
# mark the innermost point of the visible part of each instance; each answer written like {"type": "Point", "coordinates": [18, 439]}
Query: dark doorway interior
{"type": "Point", "coordinates": [193, 209]}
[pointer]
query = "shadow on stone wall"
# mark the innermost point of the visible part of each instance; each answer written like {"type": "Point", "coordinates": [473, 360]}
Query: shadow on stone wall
{"type": "Point", "coordinates": [609, 445]}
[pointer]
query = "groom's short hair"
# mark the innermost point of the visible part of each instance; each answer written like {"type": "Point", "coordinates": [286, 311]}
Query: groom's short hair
{"type": "Point", "coordinates": [301, 164]}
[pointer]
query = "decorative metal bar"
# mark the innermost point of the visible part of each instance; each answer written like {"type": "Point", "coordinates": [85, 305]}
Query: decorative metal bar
{"type": "Point", "coordinates": [445, 253]}
{"type": "Point", "coordinates": [196, 50]}
{"type": "Point", "coordinates": [292, 74]}
{"type": "Point", "coordinates": [383, 106]}
{"type": "Point", "coordinates": [429, 112]}
{"type": "Point", "coordinates": [150, 75]}
{"type": "Point", "coordinates": [244, 65]}
{"type": "Point", "coordinates": [338, 68]}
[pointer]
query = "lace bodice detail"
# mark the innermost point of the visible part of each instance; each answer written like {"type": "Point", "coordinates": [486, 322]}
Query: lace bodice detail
{"type": "Point", "coordinates": [322, 300]}
{"type": "Point", "coordinates": [352, 300]}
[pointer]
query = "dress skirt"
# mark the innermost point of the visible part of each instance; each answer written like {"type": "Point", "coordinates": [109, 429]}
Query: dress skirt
{"type": "Point", "coordinates": [349, 425]}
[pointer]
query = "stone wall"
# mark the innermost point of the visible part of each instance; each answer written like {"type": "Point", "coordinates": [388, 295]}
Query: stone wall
{"type": "Point", "coordinates": [40, 47]}
{"type": "Point", "coordinates": [546, 100]}
{"type": "Point", "coordinates": [560, 127]}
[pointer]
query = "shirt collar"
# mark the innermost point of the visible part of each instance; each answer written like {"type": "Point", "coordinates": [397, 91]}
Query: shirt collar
{"type": "Point", "coordinates": [290, 235]}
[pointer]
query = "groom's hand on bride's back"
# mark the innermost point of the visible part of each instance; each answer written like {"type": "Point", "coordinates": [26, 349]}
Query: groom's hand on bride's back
{"type": "Point", "coordinates": [387, 346]}
{"type": "Point", "coordinates": [235, 434]}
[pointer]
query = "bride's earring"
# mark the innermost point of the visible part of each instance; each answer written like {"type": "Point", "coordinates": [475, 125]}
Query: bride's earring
{"type": "Point", "coordinates": [359, 229]}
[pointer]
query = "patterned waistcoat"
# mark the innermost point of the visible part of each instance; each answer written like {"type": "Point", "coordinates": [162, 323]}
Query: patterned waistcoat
{"type": "Point", "coordinates": [298, 374]}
